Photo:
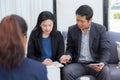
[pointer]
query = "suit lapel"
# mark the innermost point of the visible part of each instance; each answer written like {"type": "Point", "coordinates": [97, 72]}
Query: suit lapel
{"type": "Point", "coordinates": [39, 43]}
{"type": "Point", "coordinates": [53, 45]}
{"type": "Point", "coordinates": [78, 35]}
{"type": "Point", "coordinates": [79, 39]}
{"type": "Point", "coordinates": [91, 35]}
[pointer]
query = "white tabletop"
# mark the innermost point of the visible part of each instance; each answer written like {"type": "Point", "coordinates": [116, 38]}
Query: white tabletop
{"type": "Point", "coordinates": [54, 71]}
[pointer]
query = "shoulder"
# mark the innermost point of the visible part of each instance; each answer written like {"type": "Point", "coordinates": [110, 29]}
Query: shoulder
{"type": "Point", "coordinates": [34, 69]}
{"type": "Point", "coordinates": [96, 25]}
{"type": "Point", "coordinates": [56, 34]}
{"type": "Point", "coordinates": [35, 32]}
{"type": "Point", "coordinates": [34, 64]}
{"type": "Point", "coordinates": [73, 29]}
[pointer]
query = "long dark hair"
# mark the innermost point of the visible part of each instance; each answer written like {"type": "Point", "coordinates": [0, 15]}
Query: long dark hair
{"type": "Point", "coordinates": [13, 28]}
{"type": "Point", "coordinates": [45, 15]}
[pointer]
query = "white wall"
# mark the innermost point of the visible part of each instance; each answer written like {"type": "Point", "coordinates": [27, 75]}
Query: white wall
{"type": "Point", "coordinates": [66, 12]}
{"type": "Point", "coordinates": [28, 9]}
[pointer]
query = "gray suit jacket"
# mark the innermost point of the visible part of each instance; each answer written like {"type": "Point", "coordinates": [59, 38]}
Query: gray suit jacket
{"type": "Point", "coordinates": [98, 43]}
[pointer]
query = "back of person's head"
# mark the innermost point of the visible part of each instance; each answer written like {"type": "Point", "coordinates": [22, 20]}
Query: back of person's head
{"type": "Point", "coordinates": [13, 29]}
{"type": "Point", "coordinates": [45, 15]}
{"type": "Point", "coordinates": [22, 23]}
{"type": "Point", "coordinates": [85, 10]}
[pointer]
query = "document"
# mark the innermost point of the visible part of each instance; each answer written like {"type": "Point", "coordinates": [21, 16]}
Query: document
{"type": "Point", "coordinates": [56, 64]}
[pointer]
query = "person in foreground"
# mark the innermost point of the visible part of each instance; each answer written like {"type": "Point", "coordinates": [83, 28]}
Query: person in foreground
{"type": "Point", "coordinates": [45, 43]}
{"type": "Point", "coordinates": [88, 48]}
{"type": "Point", "coordinates": [13, 64]}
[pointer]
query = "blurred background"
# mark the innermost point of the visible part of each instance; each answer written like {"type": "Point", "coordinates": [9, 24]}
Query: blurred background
{"type": "Point", "coordinates": [106, 12]}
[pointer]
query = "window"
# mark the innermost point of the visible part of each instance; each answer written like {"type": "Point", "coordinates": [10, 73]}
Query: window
{"type": "Point", "coordinates": [114, 15]}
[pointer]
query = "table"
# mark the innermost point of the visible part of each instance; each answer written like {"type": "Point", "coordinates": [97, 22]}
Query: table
{"type": "Point", "coordinates": [54, 71]}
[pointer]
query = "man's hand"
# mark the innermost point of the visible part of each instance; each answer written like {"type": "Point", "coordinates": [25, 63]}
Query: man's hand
{"type": "Point", "coordinates": [65, 58]}
{"type": "Point", "coordinates": [97, 67]}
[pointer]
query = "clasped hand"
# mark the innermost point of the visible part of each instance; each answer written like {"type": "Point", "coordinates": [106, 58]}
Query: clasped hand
{"type": "Point", "coordinates": [47, 61]}
{"type": "Point", "coordinates": [64, 59]}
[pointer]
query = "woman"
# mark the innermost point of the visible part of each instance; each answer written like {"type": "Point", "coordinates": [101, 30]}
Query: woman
{"type": "Point", "coordinates": [45, 44]}
{"type": "Point", "coordinates": [13, 64]}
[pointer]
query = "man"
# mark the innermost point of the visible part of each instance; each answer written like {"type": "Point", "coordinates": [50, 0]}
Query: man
{"type": "Point", "coordinates": [87, 48]}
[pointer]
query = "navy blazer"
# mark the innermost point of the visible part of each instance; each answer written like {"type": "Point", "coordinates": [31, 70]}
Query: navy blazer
{"type": "Point", "coordinates": [28, 70]}
{"type": "Point", "coordinates": [34, 50]}
{"type": "Point", "coordinates": [98, 43]}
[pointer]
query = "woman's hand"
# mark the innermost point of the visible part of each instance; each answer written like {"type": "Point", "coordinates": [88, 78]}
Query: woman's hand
{"type": "Point", "coordinates": [47, 61]}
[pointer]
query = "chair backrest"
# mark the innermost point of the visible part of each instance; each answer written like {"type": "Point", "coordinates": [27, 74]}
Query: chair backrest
{"type": "Point", "coordinates": [113, 37]}
{"type": "Point", "coordinates": [64, 33]}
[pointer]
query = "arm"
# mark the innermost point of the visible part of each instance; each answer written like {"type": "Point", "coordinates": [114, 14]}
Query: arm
{"type": "Point", "coordinates": [61, 46]}
{"type": "Point", "coordinates": [43, 73]}
{"type": "Point", "coordinates": [100, 47]}
{"type": "Point", "coordinates": [31, 51]}
{"type": "Point", "coordinates": [104, 46]}
{"type": "Point", "coordinates": [69, 50]}
{"type": "Point", "coordinates": [70, 45]}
